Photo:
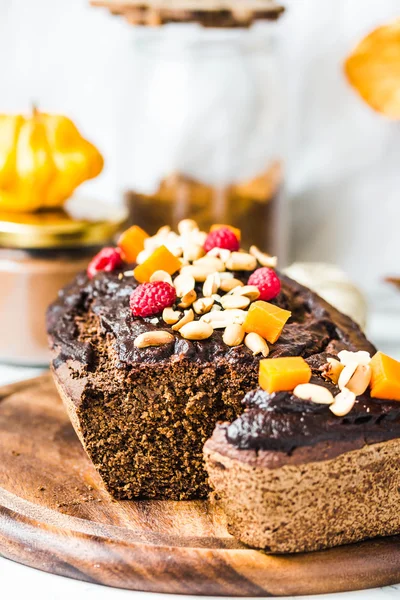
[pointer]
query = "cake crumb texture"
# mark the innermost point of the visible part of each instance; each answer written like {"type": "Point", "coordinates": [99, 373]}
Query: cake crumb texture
{"type": "Point", "coordinates": [310, 506]}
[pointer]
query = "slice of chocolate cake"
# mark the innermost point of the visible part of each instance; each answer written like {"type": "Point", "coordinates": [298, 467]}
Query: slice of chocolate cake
{"type": "Point", "coordinates": [147, 364]}
{"type": "Point", "coordinates": [305, 471]}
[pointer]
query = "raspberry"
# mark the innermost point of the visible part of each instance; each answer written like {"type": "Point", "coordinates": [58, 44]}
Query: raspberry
{"type": "Point", "coordinates": [107, 259]}
{"type": "Point", "coordinates": [267, 282]}
{"type": "Point", "coordinates": [221, 238]}
{"type": "Point", "coordinates": [151, 298]}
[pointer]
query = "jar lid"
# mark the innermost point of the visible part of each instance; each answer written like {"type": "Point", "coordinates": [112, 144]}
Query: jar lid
{"type": "Point", "coordinates": [80, 224]}
{"type": "Point", "coordinates": [210, 13]}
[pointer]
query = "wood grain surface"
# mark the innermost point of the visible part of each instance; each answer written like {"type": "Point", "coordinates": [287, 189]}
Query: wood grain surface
{"type": "Point", "coordinates": [56, 516]}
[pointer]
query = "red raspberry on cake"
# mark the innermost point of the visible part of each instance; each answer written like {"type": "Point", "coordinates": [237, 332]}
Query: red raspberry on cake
{"type": "Point", "coordinates": [107, 260]}
{"type": "Point", "coordinates": [267, 281]}
{"type": "Point", "coordinates": [151, 298]}
{"type": "Point", "coordinates": [222, 238]}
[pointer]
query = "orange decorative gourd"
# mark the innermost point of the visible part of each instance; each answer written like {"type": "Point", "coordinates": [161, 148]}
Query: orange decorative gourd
{"type": "Point", "coordinates": [43, 159]}
{"type": "Point", "coordinates": [283, 374]}
{"type": "Point", "coordinates": [385, 379]}
{"type": "Point", "coordinates": [266, 319]}
{"type": "Point", "coordinates": [131, 242]}
{"type": "Point", "coordinates": [161, 260]}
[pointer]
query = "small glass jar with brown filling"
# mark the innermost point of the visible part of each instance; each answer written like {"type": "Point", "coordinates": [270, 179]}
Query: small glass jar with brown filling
{"type": "Point", "coordinates": [39, 254]}
{"type": "Point", "coordinates": [204, 131]}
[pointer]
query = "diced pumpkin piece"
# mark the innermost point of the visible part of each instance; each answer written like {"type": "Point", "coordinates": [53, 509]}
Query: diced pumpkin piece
{"type": "Point", "coordinates": [266, 319]}
{"type": "Point", "coordinates": [283, 374]}
{"type": "Point", "coordinates": [131, 242]}
{"type": "Point", "coordinates": [234, 230]}
{"type": "Point", "coordinates": [161, 260]}
{"type": "Point", "coordinates": [385, 379]}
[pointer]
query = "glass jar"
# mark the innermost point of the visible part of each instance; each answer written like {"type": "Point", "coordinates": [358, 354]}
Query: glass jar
{"type": "Point", "coordinates": [39, 254]}
{"type": "Point", "coordinates": [203, 131]}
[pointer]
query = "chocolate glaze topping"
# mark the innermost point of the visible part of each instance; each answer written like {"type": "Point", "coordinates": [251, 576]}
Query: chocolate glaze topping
{"type": "Point", "coordinates": [283, 422]}
{"type": "Point", "coordinates": [275, 422]}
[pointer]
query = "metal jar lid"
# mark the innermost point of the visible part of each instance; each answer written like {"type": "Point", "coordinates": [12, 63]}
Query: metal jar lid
{"type": "Point", "coordinates": [80, 224]}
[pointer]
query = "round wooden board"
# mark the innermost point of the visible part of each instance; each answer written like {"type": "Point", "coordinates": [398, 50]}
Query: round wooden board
{"type": "Point", "coordinates": [56, 516]}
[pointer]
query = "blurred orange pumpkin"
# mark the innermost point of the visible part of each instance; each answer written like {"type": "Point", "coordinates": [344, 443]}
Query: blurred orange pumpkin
{"type": "Point", "coordinates": [373, 69]}
{"type": "Point", "coordinates": [43, 159]}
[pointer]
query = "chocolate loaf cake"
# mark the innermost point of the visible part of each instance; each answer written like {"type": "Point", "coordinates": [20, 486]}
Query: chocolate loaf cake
{"type": "Point", "coordinates": [143, 415]}
{"type": "Point", "coordinates": [149, 356]}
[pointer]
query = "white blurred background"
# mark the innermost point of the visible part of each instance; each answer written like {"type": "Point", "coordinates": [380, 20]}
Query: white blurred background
{"type": "Point", "coordinates": [343, 169]}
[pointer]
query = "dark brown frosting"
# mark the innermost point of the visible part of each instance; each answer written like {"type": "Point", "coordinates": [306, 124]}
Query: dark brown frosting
{"type": "Point", "coordinates": [278, 422]}
{"type": "Point", "coordinates": [283, 422]}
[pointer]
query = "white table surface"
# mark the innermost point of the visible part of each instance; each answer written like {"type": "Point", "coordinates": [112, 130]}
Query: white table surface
{"type": "Point", "coordinates": [17, 581]}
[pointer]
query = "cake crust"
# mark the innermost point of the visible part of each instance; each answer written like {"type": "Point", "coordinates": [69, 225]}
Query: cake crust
{"type": "Point", "coordinates": [298, 505]}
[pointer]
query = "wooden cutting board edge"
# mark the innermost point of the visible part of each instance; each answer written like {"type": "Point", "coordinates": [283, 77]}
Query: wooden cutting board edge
{"type": "Point", "coordinates": [154, 560]}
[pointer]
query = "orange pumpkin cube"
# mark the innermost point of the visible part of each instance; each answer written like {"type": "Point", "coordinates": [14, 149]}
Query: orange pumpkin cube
{"type": "Point", "coordinates": [131, 242]}
{"type": "Point", "coordinates": [266, 319]}
{"type": "Point", "coordinates": [234, 230]}
{"type": "Point", "coordinates": [283, 374]}
{"type": "Point", "coordinates": [161, 260]}
{"type": "Point", "coordinates": [385, 379]}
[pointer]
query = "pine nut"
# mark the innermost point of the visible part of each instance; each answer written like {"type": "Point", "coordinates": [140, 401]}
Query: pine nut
{"type": "Point", "coordinates": [241, 261]}
{"type": "Point", "coordinates": [196, 330]}
{"type": "Point", "coordinates": [233, 335]}
{"type": "Point", "coordinates": [235, 301]}
{"type": "Point", "coordinates": [184, 284]}
{"type": "Point", "coordinates": [331, 370]}
{"type": "Point", "coordinates": [199, 273]}
{"type": "Point", "coordinates": [360, 380]}
{"type": "Point", "coordinates": [203, 305]}
{"type": "Point", "coordinates": [153, 338]}
{"type": "Point", "coordinates": [161, 276]}
{"type": "Point", "coordinates": [211, 285]}
{"type": "Point", "coordinates": [313, 392]}
{"type": "Point", "coordinates": [256, 344]}
{"type": "Point", "coordinates": [227, 285]}
{"type": "Point", "coordinates": [346, 375]}
{"type": "Point", "coordinates": [265, 260]}
{"type": "Point", "coordinates": [343, 403]}
{"type": "Point", "coordinates": [187, 318]}
{"type": "Point", "coordinates": [171, 316]}
{"type": "Point", "coordinates": [215, 264]}
{"type": "Point", "coordinates": [250, 291]}
{"type": "Point", "coordinates": [188, 299]}
{"type": "Point", "coordinates": [359, 358]}
{"type": "Point", "coordinates": [187, 226]}
{"type": "Point", "coordinates": [192, 252]}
